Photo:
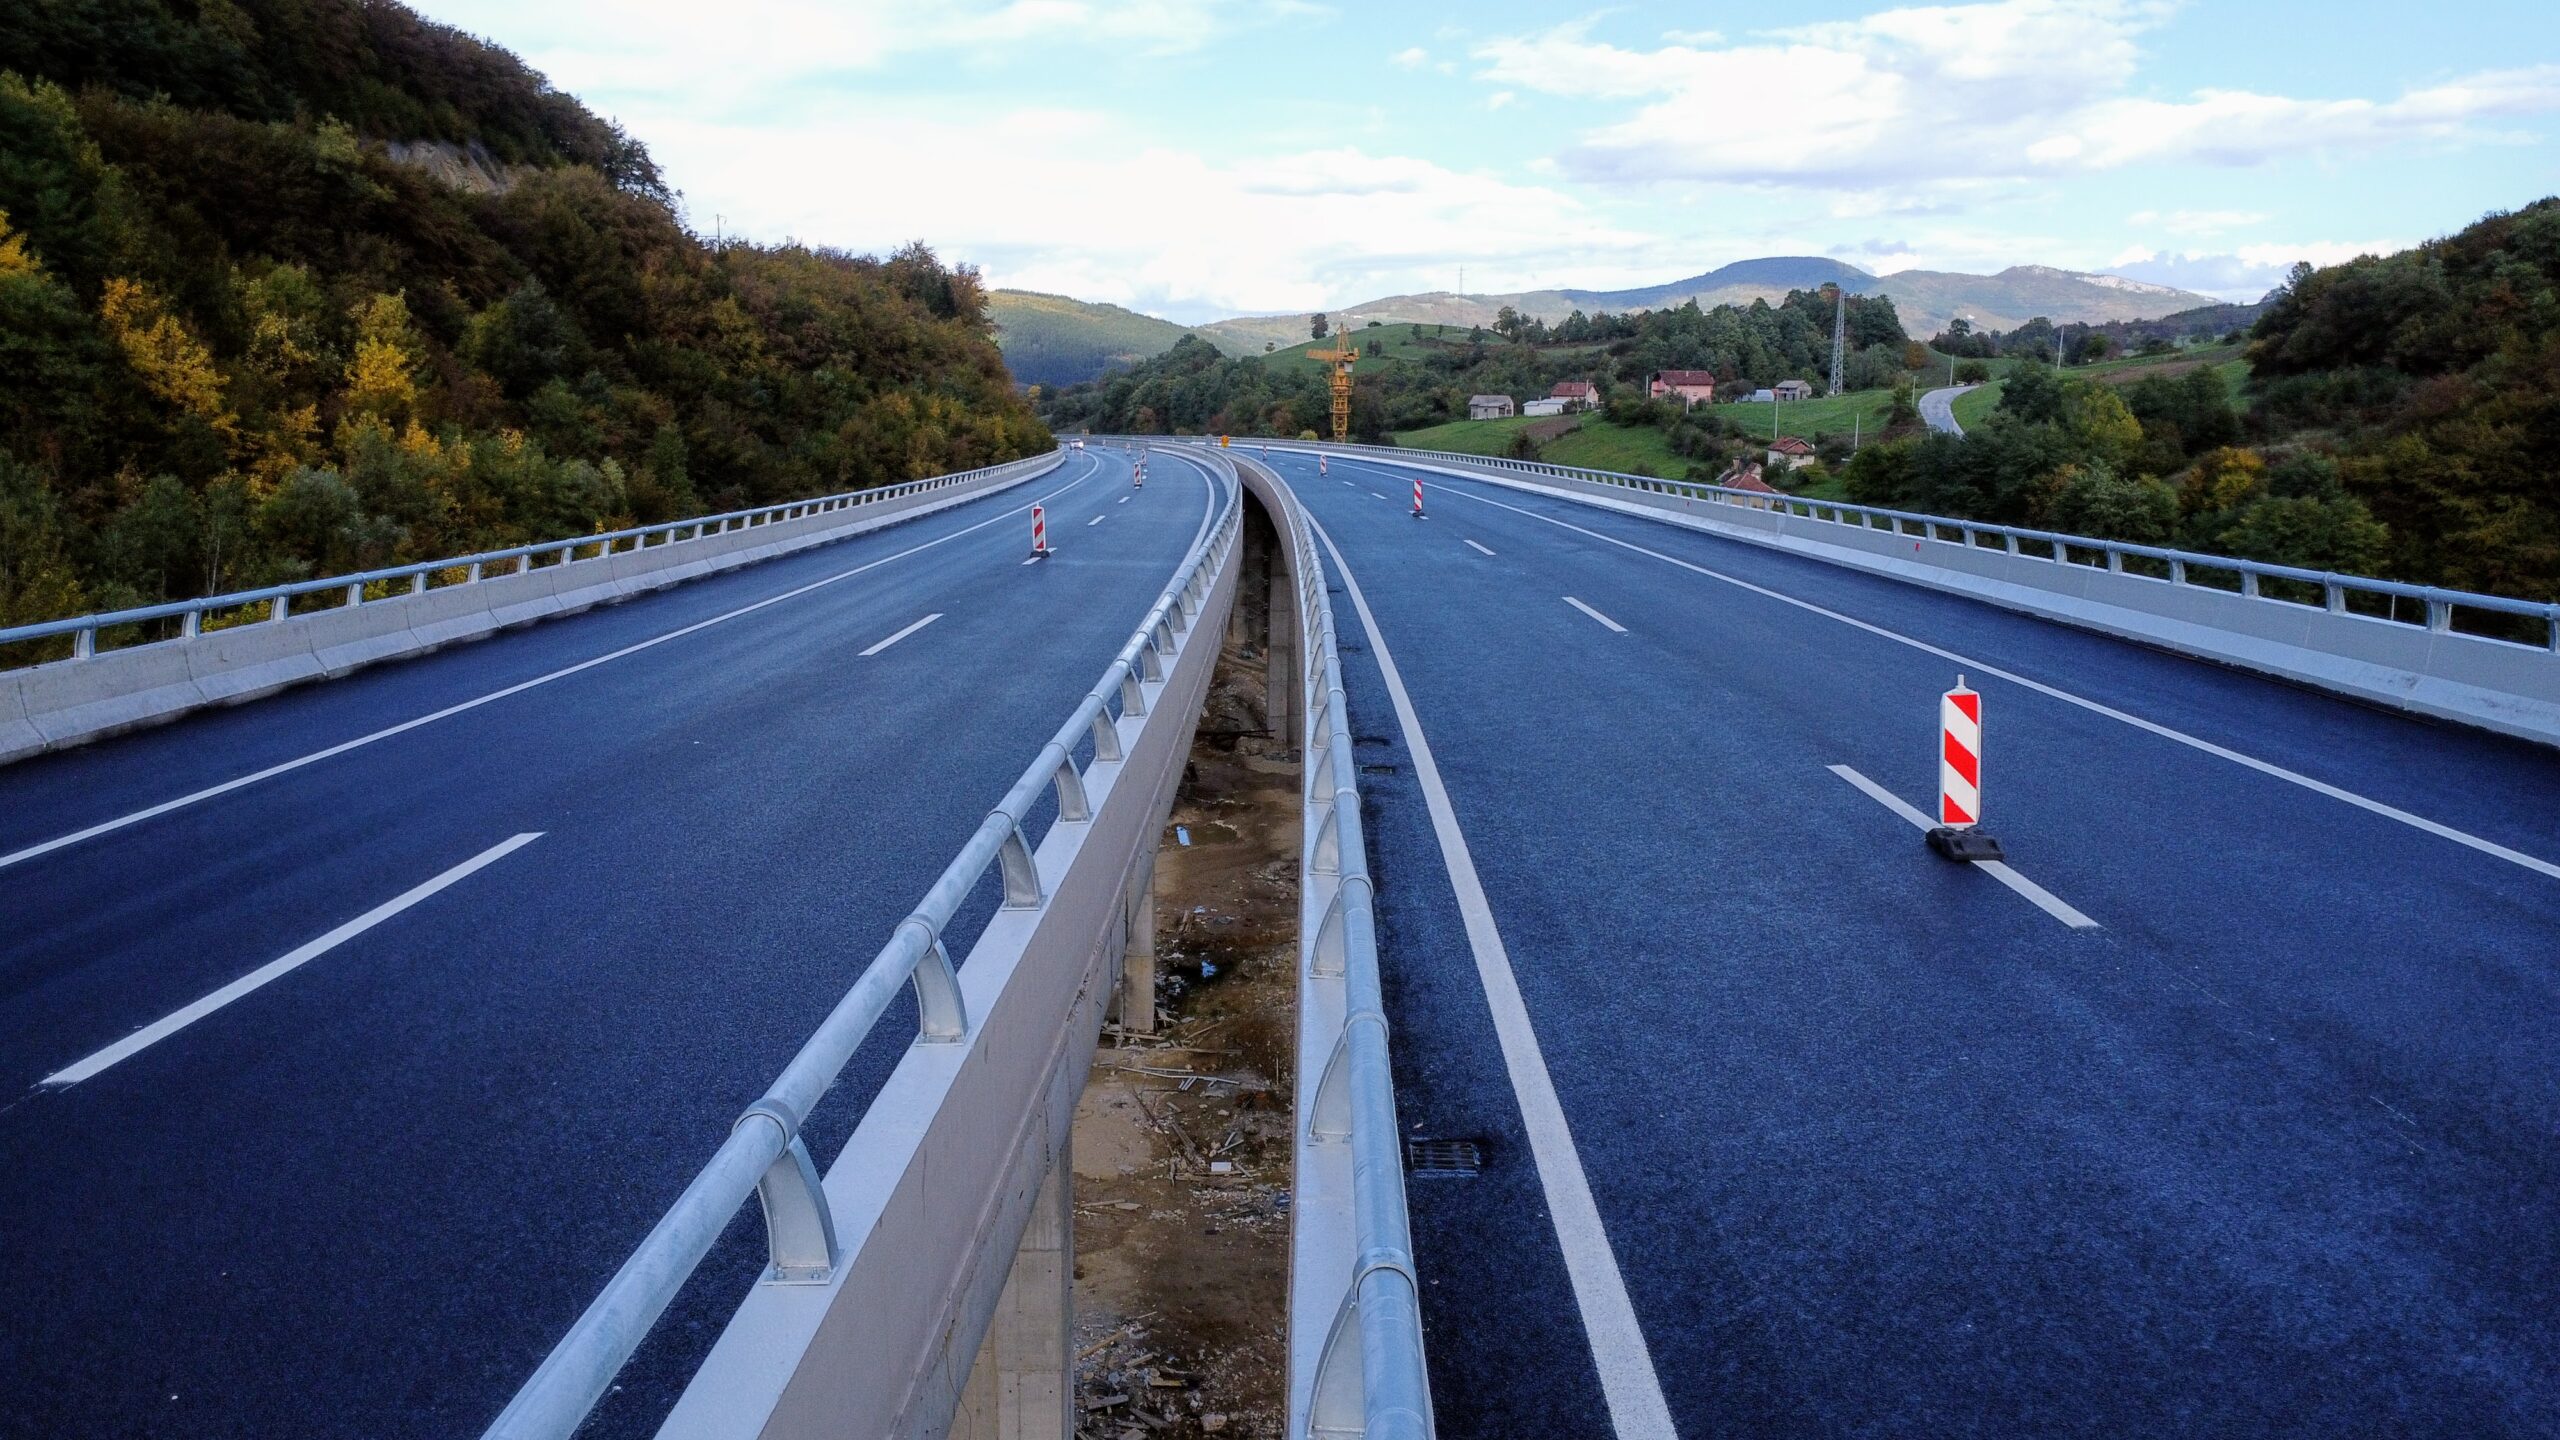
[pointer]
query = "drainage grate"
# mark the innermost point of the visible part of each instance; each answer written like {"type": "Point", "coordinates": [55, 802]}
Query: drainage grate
{"type": "Point", "coordinates": [1443, 1159]}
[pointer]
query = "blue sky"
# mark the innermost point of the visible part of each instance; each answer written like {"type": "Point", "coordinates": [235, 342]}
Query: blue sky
{"type": "Point", "coordinates": [1201, 158]}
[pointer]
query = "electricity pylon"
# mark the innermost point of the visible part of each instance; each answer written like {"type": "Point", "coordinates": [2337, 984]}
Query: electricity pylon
{"type": "Point", "coordinates": [1839, 336]}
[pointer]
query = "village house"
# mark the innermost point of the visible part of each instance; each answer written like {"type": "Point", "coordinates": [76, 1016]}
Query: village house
{"type": "Point", "coordinates": [1576, 394]}
{"type": "Point", "coordinates": [1788, 450]}
{"type": "Point", "coordinates": [1793, 389]}
{"type": "Point", "coordinates": [1693, 387]}
{"type": "Point", "coordinates": [1548, 406]}
{"type": "Point", "coordinates": [1747, 478]}
{"type": "Point", "coordinates": [1488, 407]}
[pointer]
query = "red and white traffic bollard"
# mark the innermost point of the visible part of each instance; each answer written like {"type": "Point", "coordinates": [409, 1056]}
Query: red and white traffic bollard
{"type": "Point", "coordinates": [1958, 835]}
{"type": "Point", "coordinates": [1039, 532]}
{"type": "Point", "coordinates": [1417, 497]}
{"type": "Point", "coordinates": [1320, 466]}
{"type": "Point", "coordinates": [1140, 482]}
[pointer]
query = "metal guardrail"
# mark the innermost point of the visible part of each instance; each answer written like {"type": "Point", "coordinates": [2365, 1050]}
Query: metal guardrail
{"type": "Point", "coordinates": [85, 630]}
{"type": "Point", "coordinates": [764, 1154]}
{"type": "Point", "coordinates": [1383, 1391]}
{"type": "Point", "coordinates": [2436, 605]}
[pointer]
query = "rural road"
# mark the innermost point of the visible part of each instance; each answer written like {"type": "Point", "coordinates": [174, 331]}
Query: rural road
{"type": "Point", "coordinates": [1938, 407]}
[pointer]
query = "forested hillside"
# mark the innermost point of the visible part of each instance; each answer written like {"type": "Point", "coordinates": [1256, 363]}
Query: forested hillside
{"type": "Point", "coordinates": [2401, 420]}
{"type": "Point", "coordinates": [239, 343]}
{"type": "Point", "coordinates": [1052, 340]}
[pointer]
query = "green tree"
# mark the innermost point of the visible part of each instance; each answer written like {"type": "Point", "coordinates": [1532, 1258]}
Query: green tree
{"type": "Point", "coordinates": [1318, 325]}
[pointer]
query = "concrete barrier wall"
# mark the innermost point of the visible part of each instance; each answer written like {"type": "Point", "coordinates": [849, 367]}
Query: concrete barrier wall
{"type": "Point", "coordinates": [2508, 688]}
{"type": "Point", "coordinates": [71, 702]}
{"type": "Point", "coordinates": [932, 1194]}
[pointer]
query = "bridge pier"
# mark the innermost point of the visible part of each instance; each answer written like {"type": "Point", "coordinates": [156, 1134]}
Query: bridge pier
{"type": "Point", "coordinates": [1134, 997]}
{"type": "Point", "coordinates": [1280, 655]}
{"type": "Point", "coordinates": [1023, 1384]}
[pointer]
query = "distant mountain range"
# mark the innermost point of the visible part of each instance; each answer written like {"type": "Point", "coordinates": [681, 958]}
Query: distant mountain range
{"type": "Point", "coordinates": [1926, 299]}
{"type": "Point", "coordinates": [1062, 341]}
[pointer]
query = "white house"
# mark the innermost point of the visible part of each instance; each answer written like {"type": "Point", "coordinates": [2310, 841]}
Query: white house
{"type": "Point", "coordinates": [1549, 406]}
{"type": "Point", "coordinates": [1488, 407]}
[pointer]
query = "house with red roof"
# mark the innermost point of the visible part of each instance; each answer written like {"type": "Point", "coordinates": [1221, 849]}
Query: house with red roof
{"type": "Point", "coordinates": [1576, 394]}
{"type": "Point", "coordinates": [1788, 450]}
{"type": "Point", "coordinates": [1693, 387]}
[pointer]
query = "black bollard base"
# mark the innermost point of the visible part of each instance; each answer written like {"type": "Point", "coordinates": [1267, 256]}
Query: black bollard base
{"type": "Point", "coordinates": [1965, 847]}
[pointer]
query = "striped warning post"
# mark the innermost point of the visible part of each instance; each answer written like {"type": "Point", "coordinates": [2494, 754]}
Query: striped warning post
{"type": "Point", "coordinates": [1320, 466]}
{"type": "Point", "coordinates": [1959, 757]}
{"type": "Point", "coordinates": [1417, 497]}
{"type": "Point", "coordinates": [1039, 531]}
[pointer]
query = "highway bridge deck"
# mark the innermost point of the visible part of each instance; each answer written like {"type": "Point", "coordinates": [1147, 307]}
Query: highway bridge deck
{"type": "Point", "coordinates": [367, 1197]}
{"type": "Point", "coordinates": [1874, 1145]}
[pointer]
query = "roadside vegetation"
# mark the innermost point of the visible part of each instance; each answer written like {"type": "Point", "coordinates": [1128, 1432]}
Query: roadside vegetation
{"type": "Point", "coordinates": [240, 343]}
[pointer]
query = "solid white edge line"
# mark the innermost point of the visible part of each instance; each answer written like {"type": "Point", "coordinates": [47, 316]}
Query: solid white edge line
{"type": "Point", "coordinates": [901, 635]}
{"type": "Point", "coordinates": [168, 1025]}
{"type": "Point", "coordinates": [1596, 615]}
{"type": "Point", "coordinates": [1478, 548]}
{"type": "Point", "coordinates": [2043, 899]}
{"type": "Point", "coordinates": [104, 827]}
{"type": "Point", "coordinates": [1637, 1409]}
{"type": "Point", "coordinates": [1972, 665]}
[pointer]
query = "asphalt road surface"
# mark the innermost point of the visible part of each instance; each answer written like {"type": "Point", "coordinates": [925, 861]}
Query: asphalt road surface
{"type": "Point", "coordinates": [365, 1075]}
{"type": "Point", "coordinates": [2237, 1115]}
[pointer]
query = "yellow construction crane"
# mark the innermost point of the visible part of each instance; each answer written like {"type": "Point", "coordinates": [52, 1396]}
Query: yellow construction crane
{"type": "Point", "coordinates": [1340, 360]}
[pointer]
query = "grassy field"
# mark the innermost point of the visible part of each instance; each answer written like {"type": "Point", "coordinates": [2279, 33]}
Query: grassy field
{"type": "Point", "coordinates": [1859, 411]}
{"type": "Point", "coordinates": [1401, 342]}
{"type": "Point", "coordinates": [1594, 445]}
{"type": "Point", "coordinates": [1636, 450]}
{"type": "Point", "coordinates": [1974, 405]}
{"type": "Point", "coordinates": [1468, 437]}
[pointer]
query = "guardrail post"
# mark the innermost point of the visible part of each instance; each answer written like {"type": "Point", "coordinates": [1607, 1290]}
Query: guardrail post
{"type": "Point", "coordinates": [2115, 560]}
{"type": "Point", "coordinates": [800, 1232]}
{"type": "Point", "coordinates": [2334, 595]}
{"type": "Point", "coordinates": [1073, 804]}
{"type": "Point", "coordinates": [279, 609]}
{"type": "Point", "coordinates": [2439, 615]}
{"type": "Point", "coordinates": [1021, 872]}
{"type": "Point", "coordinates": [2177, 571]}
{"type": "Point", "coordinates": [2249, 583]}
{"type": "Point", "coordinates": [418, 583]}
{"type": "Point", "coordinates": [84, 643]}
{"type": "Point", "coordinates": [942, 1015]}
{"type": "Point", "coordinates": [191, 625]}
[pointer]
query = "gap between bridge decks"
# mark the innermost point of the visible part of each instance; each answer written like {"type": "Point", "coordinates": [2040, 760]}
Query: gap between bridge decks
{"type": "Point", "coordinates": [1619, 1352]}
{"type": "Point", "coordinates": [2043, 899]}
{"type": "Point", "coordinates": [1973, 665]}
{"type": "Point", "coordinates": [276, 969]}
{"type": "Point", "coordinates": [210, 792]}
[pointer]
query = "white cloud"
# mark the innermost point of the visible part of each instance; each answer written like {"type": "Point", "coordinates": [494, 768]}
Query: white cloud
{"type": "Point", "coordinates": [746, 53]}
{"type": "Point", "coordinates": [1086, 207]}
{"type": "Point", "coordinates": [1411, 58]}
{"type": "Point", "coordinates": [2003, 90]}
{"type": "Point", "coordinates": [2245, 274]}
{"type": "Point", "coordinates": [2197, 222]}
{"type": "Point", "coordinates": [1498, 99]}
